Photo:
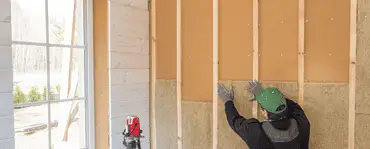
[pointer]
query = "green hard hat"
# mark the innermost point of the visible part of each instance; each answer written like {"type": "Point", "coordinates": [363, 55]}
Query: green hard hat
{"type": "Point", "coordinates": [270, 99]}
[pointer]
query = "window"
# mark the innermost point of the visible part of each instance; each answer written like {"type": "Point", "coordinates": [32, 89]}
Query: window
{"type": "Point", "coordinates": [52, 75]}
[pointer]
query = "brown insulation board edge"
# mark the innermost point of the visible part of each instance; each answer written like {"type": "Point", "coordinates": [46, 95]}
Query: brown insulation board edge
{"type": "Point", "coordinates": [197, 50]}
{"type": "Point", "coordinates": [362, 131]}
{"type": "Point", "coordinates": [235, 40]}
{"type": "Point", "coordinates": [165, 39]}
{"type": "Point", "coordinates": [196, 125]}
{"type": "Point", "coordinates": [278, 41]}
{"type": "Point", "coordinates": [288, 89]}
{"type": "Point", "coordinates": [327, 40]}
{"type": "Point", "coordinates": [227, 138]}
{"type": "Point", "coordinates": [166, 114]}
{"type": "Point", "coordinates": [326, 106]}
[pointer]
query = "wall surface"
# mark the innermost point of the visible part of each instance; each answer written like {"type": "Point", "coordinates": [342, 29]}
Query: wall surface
{"type": "Point", "coordinates": [128, 67]}
{"type": "Point", "coordinates": [326, 68]}
{"type": "Point", "coordinates": [6, 78]}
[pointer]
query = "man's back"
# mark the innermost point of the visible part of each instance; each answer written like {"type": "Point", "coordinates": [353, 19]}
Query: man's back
{"type": "Point", "coordinates": [293, 132]}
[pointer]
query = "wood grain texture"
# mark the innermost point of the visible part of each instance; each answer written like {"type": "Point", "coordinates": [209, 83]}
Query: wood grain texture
{"type": "Point", "coordinates": [326, 106]}
{"type": "Point", "coordinates": [327, 39]}
{"type": "Point", "coordinates": [236, 40]}
{"type": "Point", "coordinates": [101, 74]}
{"type": "Point", "coordinates": [197, 125]}
{"type": "Point", "coordinates": [278, 44]}
{"type": "Point", "coordinates": [197, 81]}
{"type": "Point", "coordinates": [165, 39]}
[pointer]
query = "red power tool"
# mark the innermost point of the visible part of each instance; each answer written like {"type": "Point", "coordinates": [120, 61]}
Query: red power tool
{"type": "Point", "coordinates": [132, 133]}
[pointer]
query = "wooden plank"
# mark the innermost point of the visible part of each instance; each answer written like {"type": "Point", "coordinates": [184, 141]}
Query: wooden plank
{"type": "Point", "coordinates": [178, 73]}
{"type": "Point", "coordinates": [352, 73]}
{"type": "Point", "coordinates": [301, 21]}
{"type": "Point", "coordinates": [255, 50]}
{"type": "Point", "coordinates": [153, 75]}
{"type": "Point", "coordinates": [101, 74]}
{"type": "Point", "coordinates": [215, 74]}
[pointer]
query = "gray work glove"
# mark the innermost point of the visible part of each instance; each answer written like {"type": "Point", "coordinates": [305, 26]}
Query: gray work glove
{"type": "Point", "coordinates": [254, 88]}
{"type": "Point", "coordinates": [225, 95]}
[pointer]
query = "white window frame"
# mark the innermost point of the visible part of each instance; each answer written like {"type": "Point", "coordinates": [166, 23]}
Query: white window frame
{"type": "Point", "coordinates": [88, 71]}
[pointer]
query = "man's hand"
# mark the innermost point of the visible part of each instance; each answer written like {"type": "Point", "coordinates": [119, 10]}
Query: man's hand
{"type": "Point", "coordinates": [254, 88]}
{"type": "Point", "coordinates": [224, 94]}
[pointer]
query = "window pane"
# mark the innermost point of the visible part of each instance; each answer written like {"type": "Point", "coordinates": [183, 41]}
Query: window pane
{"type": "Point", "coordinates": [31, 130]}
{"type": "Point", "coordinates": [70, 132]}
{"type": "Point", "coordinates": [67, 82]}
{"type": "Point", "coordinates": [61, 14]}
{"type": "Point", "coordinates": [28, 20]}
{"type": "Point", "coordinates": [29, 73]}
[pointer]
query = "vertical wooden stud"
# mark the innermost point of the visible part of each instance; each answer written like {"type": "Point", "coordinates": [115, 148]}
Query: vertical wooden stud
{"type": "Point", "coordinates": [215, 73]}
{"type": "Point", "coordinates": [153, 76]}
{"type": "Point", "coordinates": [178, 74]}
{"type": "Point", "coordinates": [255, 49]}
{"type": "Point", "coordinates": [352, 74]}
{"type": "Point", "coordinates": [301, 52]}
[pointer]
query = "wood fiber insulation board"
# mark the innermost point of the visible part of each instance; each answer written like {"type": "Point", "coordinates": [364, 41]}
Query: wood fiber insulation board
{"type": "Point", "coordinates": [235, 40]}
{"type": "Point", "coordinates": [196, 125]}
{"type": "Point", "coordinates": [227, 138]}
{"type": "Point", "coordinates": [101, 74]}
{"type": "Point", "coordinates": [166, 114]}
{"type": "Point", "coordinates": [166, 39]}
{"type": "Point", "coordinates": [278, 47]}
{"type": "Point", "coordinates": [197, 53]}
{"type": "Point", "coordinates": [326, 106]}
{"type": "Point", "coordinates": [327, 40]}
{"type": "Point", "coordinates": [362, 131]}
{"type": "Point", "coordinates": [289, 89]}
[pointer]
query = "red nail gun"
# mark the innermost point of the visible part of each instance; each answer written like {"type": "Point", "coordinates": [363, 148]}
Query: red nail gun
{"type": "Point", "coordinates": [132, 133]}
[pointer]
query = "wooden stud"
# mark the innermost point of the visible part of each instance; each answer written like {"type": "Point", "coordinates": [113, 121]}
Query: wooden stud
{"type": "Point", "coordinates": [215, 73]}
{"type": "Point", "coordinates": [255, 50]}
{"type": "Point", "coordinates": [178, 74]}
{"type": "Point", "coordinates": [301, 51]}
{"type": "Point", "coordinates": [152, 101]}
{"type": "Point", "coordinates": [352, 74]}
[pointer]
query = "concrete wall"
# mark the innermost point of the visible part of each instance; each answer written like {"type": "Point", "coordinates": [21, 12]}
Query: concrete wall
{"type": "Point", "coordinates": [6, 78]}
{"type": "Point", "coordinates": [128, 67]}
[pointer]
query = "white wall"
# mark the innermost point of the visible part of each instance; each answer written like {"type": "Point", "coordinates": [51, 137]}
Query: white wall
{"type": "Point", "coordinates": [6, 78]}
{"type": "Point", "coordinates": [129, 67]}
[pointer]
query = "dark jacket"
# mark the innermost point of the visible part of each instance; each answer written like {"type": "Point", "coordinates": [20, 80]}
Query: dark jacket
{"type": "Point", "coordinates": [251, 131]}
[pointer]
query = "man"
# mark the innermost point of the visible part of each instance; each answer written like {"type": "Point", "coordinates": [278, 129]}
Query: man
{"type": "Point", "coordinates": [286, 125]}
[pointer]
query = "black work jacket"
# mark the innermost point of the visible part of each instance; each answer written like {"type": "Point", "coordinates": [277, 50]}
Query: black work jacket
{"type": "Point", "coordinates": [250, 130]}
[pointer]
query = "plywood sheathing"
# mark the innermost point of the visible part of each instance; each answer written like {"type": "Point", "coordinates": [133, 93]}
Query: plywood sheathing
{"type": "Point", "coordinates": [165, 39]}
{"type": "Point", "coordinates": [326, 106]}
{"type": "Point", "coordinates": [289, 89]}
{"type": "Point", "coordinates": [227, 138]}
{"type": "Point", "coordinates": [327, 40]}
{"type": "Point", "coordinates": [278, 60]}
{"type": "Point", "coordinates": [235, 40]}
{"type": "Point", "coordinates": [197, 50]}
{"type": "Point", "coordinates": [101, 74]}
{"type": "Point", "coordinates": [362, 125]}
{"type": "Point", "coordinates": [196, 125]}
{"type": "Point", "coordinates": [166, 117]}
